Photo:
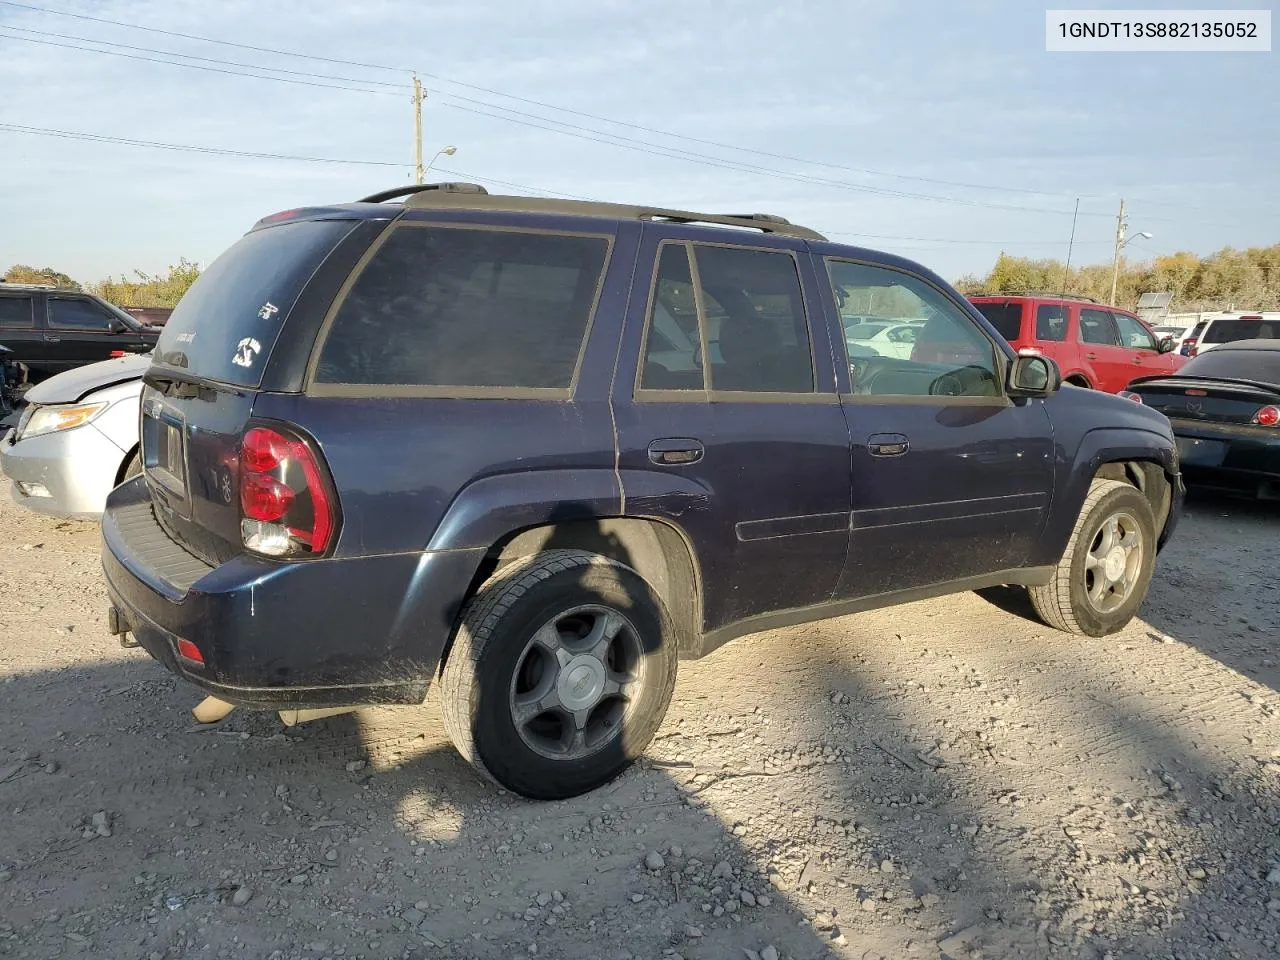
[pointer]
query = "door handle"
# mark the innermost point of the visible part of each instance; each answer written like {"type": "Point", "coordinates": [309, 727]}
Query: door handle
{"type": "Point", "coordinates": [675, 451]}
{"type": "Point", "coordinates": [52, 339]}
{"type": "Point", "coordinates": [1091, 356]}
{"type": "Point", "coordinates": [887, 444]}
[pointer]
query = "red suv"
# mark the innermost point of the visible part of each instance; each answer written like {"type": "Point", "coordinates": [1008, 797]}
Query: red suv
{"type": "Point", "coordinates": [1094, 345]}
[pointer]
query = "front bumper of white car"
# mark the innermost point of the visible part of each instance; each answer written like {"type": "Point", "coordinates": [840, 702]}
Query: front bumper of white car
{"type": "Point", "coordinates": [66, 474]}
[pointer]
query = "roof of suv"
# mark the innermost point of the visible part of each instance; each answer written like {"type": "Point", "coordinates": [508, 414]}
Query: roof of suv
{"type": "Point", "coordinates": [1033, 295]}
{"type": "Point", "coordinates": [470, 196]}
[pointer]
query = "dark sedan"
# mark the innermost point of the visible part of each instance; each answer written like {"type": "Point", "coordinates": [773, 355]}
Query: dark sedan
{"type": "Point", "coordinates": [1225, 409]}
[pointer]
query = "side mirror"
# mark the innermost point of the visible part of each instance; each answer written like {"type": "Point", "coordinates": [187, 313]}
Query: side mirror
{"type": "Point", "coordinates": [1033, 375]}
{"type": "Point", "coordinates": [1168, 345]}
{"type": "Point", "coordinates": [118, 326]}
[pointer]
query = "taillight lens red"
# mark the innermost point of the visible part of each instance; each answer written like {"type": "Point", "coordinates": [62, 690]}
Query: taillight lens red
{"type": "Point", "coordinates": [189, 651]}
{"type": "Point", "coordinates": [1130, 395]}
{"type": "Point", "coordinates": [286, 503]}
{"type": "Point", "coordinates": [1267, 416]}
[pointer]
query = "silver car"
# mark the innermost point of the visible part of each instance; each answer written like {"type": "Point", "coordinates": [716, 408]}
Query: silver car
{"type": "Point", "coordinates": [77, 438]}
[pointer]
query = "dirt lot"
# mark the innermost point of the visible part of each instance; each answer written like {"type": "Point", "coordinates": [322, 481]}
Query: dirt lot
{"type": "Point", "coordinates": [946, 778]}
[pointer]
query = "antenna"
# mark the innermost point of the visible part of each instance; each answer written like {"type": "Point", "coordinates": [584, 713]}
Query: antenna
{"type": "Point", "coordinates": [1066, 271]}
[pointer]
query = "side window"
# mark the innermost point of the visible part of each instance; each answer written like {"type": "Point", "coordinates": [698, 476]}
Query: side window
{"type": "Point", "coordinates": [950, 356]}
{"type": "Point", "coordinates": [66, 314]}
{"type": "Point", "coordinates": [448, 307]}
{"type": "Point", "coordinates": [16, 313]}
{"type": "Point", "coordinates": [1051, 322]}
{"type": "Point", "coordinates": [756, 331]}
{"type": "Point", "coordinates": [673, 354]}
{"type": "Point", "coordinates": [1097, 326]}
{"type": "Point", "coordinates": [1134, 334]}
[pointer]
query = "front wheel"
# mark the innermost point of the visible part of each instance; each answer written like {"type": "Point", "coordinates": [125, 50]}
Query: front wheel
{"type": "Point", "coordinates": [1105, 572]}
{"type": "Point", "coordinates": [560, 674]}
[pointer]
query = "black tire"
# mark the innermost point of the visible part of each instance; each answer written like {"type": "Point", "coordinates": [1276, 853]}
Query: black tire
{"type": "Point", "coordinates": [133, 467]}
{"type": "Point", "coordinates": [1064, 603]}
{"type": "Point", "coordinates": [479, 676]}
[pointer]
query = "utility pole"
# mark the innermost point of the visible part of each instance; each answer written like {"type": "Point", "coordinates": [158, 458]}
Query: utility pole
{"type": "Point", "coordinates": [418, 172]}
{"type": "Point", "coordinates": [1115, 265]}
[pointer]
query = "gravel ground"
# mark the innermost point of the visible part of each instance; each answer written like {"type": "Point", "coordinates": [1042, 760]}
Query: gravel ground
{"type": "Point", "coordinates": [941, 779]}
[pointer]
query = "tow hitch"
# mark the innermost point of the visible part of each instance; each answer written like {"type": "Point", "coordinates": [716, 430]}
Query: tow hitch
{"type": "Point", "coordinates": [118, 627]}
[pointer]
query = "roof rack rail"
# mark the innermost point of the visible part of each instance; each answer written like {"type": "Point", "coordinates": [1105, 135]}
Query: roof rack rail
{"type": "Point", "coordinates": [1046, 294]}
{"type": "Point", "coordinates": [394, 192]}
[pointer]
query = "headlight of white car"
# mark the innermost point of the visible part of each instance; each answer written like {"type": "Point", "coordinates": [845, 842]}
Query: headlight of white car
{"type": "Point", "coordinates": [58, 417]}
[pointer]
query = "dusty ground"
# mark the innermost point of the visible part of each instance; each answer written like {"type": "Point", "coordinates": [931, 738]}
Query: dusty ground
{"type": "Point", "coordinates": [944, 778]}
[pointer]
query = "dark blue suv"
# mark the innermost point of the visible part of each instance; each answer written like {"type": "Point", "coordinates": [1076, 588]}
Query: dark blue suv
{"type": "Point", "coordinates": [537, 451]}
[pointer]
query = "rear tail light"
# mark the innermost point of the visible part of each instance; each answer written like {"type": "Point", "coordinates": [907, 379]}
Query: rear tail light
{"type": "Point", "coordinates": [1267, 416]}
{"type": "Point", "coordinates": [287, 504]}
{"type": "Point", "coordinates": [1188, 347]}
{"type": "Point", "coordinates": [1130, 395]}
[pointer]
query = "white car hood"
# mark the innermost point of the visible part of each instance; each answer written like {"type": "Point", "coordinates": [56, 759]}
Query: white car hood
{"type": "Point", "coordinates": [72, 385]}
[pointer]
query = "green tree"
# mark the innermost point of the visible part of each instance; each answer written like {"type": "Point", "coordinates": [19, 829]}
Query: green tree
{"type": "Point", "coordinates": [147, 290]}
{"type": "Point", "coordinates": [21, 273]}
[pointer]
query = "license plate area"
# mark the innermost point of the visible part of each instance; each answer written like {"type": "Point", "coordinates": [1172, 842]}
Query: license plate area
{"type": "Point", "coordinates": [164, 456]}
{"type": "Point", "coordinates": [1201, 453]}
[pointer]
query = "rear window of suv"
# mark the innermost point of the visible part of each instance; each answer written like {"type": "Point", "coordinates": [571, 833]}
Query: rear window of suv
{"type": "Point", "coordinates": [460, 310]}
{"type": "Point", "coordinates": [1229, 331]}
{"type": "Point", "coordinates": [1005, 316]}
{"type": "Point", "coordinates": [223, 329]}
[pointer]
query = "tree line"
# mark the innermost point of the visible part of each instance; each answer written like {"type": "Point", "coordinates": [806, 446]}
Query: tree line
{"type": "Point", "coordinates": [1229, 279]}
{"type": "Point", "coordinates": [141, 290]}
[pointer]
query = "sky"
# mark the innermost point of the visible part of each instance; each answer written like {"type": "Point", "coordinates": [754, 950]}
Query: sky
{"type": "Point", "coordinates": [940, 131]}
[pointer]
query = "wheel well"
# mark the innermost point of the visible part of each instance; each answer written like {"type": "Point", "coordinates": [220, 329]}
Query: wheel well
{"type": "Point", "coordinates": [655, 550]}
{"type": "Point", "coordinates": [1078, 380]}
{"type": "Point", "coordinates": [1147, 477]}
{"type": "Point", "coordinates": [124, 464]}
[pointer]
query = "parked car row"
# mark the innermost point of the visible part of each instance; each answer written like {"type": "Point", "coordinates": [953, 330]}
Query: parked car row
{"type": "Point", "coordinates": [532, 452]}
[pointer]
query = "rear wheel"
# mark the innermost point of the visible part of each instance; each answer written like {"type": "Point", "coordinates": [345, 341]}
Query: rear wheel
{"type": "Point", "coordinates": [560, 675]}
{"type": "Point", "coordinates": [1105, 572]}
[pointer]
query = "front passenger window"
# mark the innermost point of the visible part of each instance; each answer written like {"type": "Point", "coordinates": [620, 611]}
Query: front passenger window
{"type": "Point", "coordinates": [1134, 334]}
{"type": "Point", "coordinates": [945, 353]}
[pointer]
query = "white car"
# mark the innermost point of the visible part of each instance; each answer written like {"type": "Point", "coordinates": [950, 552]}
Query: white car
{"type": "Point", "coordinates": [77, 438]}
{"type": "Point", "coordinates": [1228, 328]}
{"type": "Point", "coordinates": [882, 337]}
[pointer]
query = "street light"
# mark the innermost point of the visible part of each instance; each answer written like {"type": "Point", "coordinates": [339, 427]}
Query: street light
{"type": "Point", "coordinates": [448, 151]}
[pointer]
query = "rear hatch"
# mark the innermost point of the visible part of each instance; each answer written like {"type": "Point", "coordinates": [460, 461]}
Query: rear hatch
{"type": "Point", "coordinates": [209, 367]}
{"type": "Point", "coordinates": [1248, 327]}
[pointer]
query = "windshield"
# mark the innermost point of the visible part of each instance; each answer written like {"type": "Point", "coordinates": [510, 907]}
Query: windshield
{"type": "Point", "coordinates": [1262, 366]}
{"type": "Point", "coordinates": [1229, 331]}
{"type": "Point", "coordinates": [225, 326]}
{"type": "Point", "coordinates": [1006, 317]}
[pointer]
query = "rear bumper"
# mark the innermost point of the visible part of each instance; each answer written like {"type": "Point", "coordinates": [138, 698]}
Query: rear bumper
{"type": "Point", "coordinates": [65, 474]}
{"type": "Point", "coordinates": [1240, 459]}
{"type": "Point", "coordinates": [273, 635]}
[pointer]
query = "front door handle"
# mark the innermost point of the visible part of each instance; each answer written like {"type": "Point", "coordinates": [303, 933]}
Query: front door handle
{"type": "Point", "coordinates": [887, 444]}
{"type": "Point", "coordinates": [1091, 356]}
{"type": "Point", "coordinates": [676, 451]}
{"type": "Point", "coordinates": [52, 339]}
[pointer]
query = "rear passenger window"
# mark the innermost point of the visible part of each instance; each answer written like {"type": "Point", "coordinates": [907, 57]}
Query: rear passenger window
{"type": "Point", "coordinates": [1051, 322]}
{"type": "Point", "coordinates": [753, 323]}
{"type": "Point", "coordinates": [447, 307]}
{"type": "Point", "coordinates": [1097, 326]}
{"type": "Point", "coordinates": [15, 313]}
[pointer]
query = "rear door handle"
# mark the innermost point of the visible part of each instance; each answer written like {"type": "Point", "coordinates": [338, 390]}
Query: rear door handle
{"type": "Point", "coordinates": [1091, 356]}
{"type": "Point", "coordinates": [676, 451]}
{"type": "Point", "coordinates": [887, 444]}
{"type": "Point", "coordinates": [52, 339]}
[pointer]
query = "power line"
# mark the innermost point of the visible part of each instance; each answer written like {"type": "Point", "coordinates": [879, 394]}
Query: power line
{"type": "Point", "coordinates": [538, 122]}
{"type": "Point", "coordinates": [191, 56]}
{"type": "Point", "coordinates": [197, 66]}
{"type": "Point", "coordinates": [259, 155]}
{"type": "Point", "coordinates": [532, 102]}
